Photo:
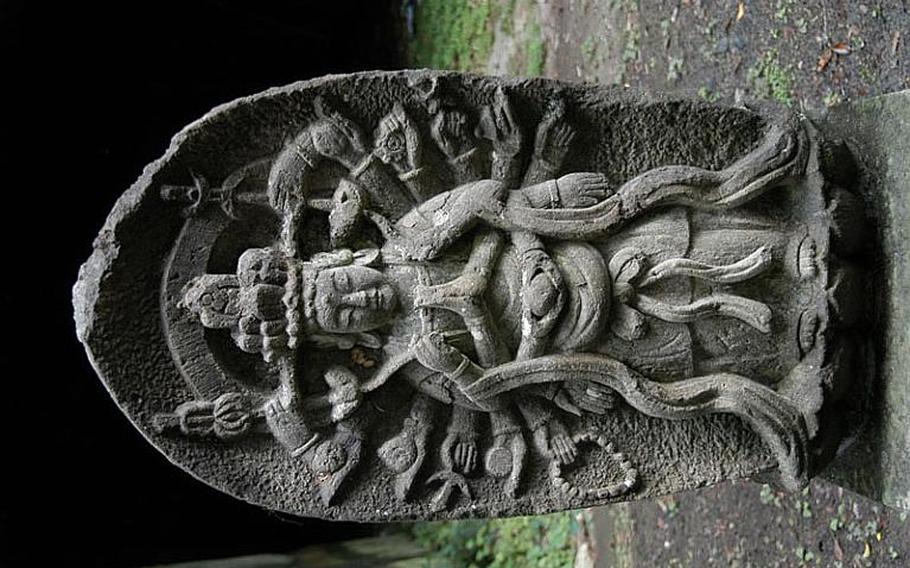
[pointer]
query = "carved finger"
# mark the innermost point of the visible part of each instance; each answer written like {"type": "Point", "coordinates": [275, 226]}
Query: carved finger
{"type": "Point", "coordinates": [571, 449]}
{"type": "Point", "coordinates": [566, 452]}
{"type": "Point", "coordinates": [598, 191]}
{"type": "Point", "coordinates": [593, 180]}
{"type": "Point", "coordinates": [556, 446]}
{"type": "Point", "coordinates": [545, 130]}
{"type": "Point", "coordinates": [457, 457]}
{"type": "Point", "coordinates": [583, 202]}
{"type": "Point", "coordinates": [471, 458]}
{"type": "Point", "coordinates": [563, 134]}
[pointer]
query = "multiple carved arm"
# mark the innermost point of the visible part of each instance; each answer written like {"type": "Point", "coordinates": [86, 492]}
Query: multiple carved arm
{"type": "Point", "coordinates": [574, 206]}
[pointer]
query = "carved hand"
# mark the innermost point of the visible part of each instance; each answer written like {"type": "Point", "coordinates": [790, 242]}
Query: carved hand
{"type": "Point", "coordinates": [553, 439]}
{"type": "Point", "coordinates": [459, 451]}
{"type": "Point", "coordinates": [498, 124]}
{"type": "Point", "coordinates": [554, 135]}
{"type": "Point", "coordinates": [582, 189]}
{"type": "Point", "coordinates": [449, 129]}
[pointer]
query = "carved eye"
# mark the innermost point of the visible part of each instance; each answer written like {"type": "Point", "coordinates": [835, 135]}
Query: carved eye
{"type": "Point", "coordinates": [207, 299]}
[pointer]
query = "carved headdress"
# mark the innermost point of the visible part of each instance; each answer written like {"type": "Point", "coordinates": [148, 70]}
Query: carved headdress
{"type": "Point", "coordinates": [269, 304]}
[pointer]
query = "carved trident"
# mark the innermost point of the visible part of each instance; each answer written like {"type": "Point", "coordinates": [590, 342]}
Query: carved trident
{"type": "Point", "coordinates": [201, 194]}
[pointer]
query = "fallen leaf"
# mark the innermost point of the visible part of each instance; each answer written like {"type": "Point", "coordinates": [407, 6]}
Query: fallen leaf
{"type": "Point", "coordinates": [867, 551]}
{"type": "Point", "coordinates": [895, 42]}
{"type": "Point", "coordinates": [824, 60]}
{"type": "Point", "coordinates": [838, 551]}
{"type": "Point", "coordinates": [740, 11]}
{"type": "Point", "coordinates": [841, 48]}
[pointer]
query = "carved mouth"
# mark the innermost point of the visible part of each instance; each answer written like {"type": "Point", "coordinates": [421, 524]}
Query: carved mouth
{"type": "Point", "coordinates": [381, 298]}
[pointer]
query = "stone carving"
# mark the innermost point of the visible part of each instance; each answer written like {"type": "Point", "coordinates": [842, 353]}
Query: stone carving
{"type": "Point", "coordinates": [444, 296]}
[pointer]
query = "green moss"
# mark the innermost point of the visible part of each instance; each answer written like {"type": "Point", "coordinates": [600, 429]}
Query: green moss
{"type": "Point", "coordinates": [536, 52]}
{"type": "Point", "coordinates": [832, 98]}
{"type": "Point", "coordinates": [674, 68]}
{"type": "Point", "coordinates": [589, 49]}
{"type": "Point", "coordinates": [506, 14]}
{"type": "Point", "coordinates": [631, 45]}
{"type": "Point", "coordinates": [545, 541]}
{"type": "Point", "coordinates": [709, 95]}
{"type": "Point", "coordinates": [772, 80]}
{"type": "Point", "coordinates": [453, 34]}
{"type": "Point", "coordinates": [782, 9]}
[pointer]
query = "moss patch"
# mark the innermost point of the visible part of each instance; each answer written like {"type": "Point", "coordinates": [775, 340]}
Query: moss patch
{"type": "Point", "coordinates": [536, 52]}
{"type": "Point", "coordinates": [770, 79]}
{"type": "Point", "coordinates": [453, 34]}
{"type": "Point", "coordinates": [545, 541]}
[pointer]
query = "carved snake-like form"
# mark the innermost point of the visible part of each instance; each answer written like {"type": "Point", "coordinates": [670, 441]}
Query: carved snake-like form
{"type": "Point", "coordinates": [779, 423]}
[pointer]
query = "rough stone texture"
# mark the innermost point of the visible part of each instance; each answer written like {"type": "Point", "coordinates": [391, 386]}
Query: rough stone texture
{"type": "Point", "coordinates": [408, 325]}
{"type": "Point", "coordinates": [876, 461]}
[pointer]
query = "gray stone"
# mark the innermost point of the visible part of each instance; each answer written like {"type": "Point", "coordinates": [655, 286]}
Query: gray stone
{"type": "Point", "coordinates": [874, 457]}
{"type": "Point", "coordinates": [409, 295]}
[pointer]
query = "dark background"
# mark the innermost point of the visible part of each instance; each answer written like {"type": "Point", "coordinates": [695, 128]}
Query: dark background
{"type": "Point", "coordinates": [92, 93]}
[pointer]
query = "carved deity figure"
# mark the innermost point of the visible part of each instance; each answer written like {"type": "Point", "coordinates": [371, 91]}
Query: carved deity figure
{"type": "Point", "coordinates": [496, 292]}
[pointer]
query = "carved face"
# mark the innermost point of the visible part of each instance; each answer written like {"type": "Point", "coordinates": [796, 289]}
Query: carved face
{"type": "Point", "coordinates": [352, 299]}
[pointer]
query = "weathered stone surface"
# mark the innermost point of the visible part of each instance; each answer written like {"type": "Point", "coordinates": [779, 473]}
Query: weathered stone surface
{"type": "Point", "coordinates": [874, 458]}
{"type": "Point", "coordinates": [400, 295]}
